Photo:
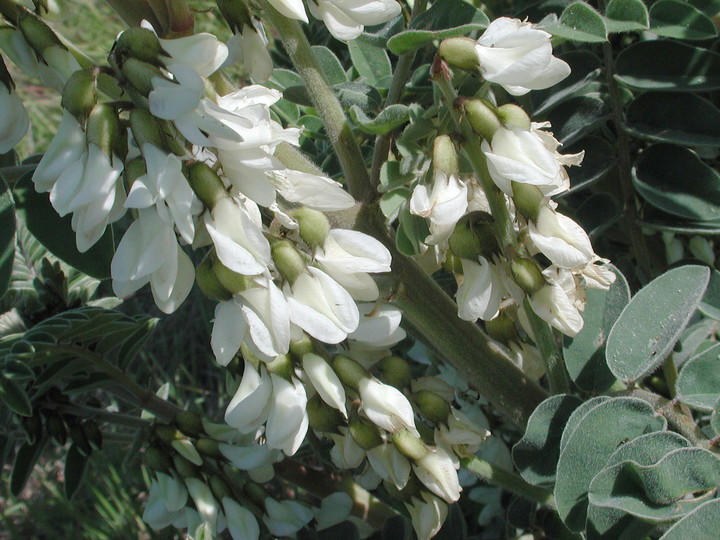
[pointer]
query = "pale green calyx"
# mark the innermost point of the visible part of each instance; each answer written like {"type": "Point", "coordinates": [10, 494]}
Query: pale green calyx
{"type": "Point", "coordinates": [287, 260]}
{"type": "Point", "coordinates": [38, 34]}
{"type": "Point", "coordinates": [231, 281]}
{"type": "Point", "coordinates": [502, 328]}
{"type": "Point", "coordinates": [209, 283]}
{"type": "Point", "coordinates": [206, 184]}
{"type": "Point", "coordinates": [460, 52]}
{"type": "Point", "coordinates": [104, 130]}
{"type": "Point", "coordinates": [445, 156]}
{"type": "Point", "coordinates": [410, 446]}
{"type": "Point", "coordinates": [323, 417]}
{"type": "Point", "coordinates": [79, 94]}
{"type": "Point", "coordinates": [527, 274]}
{"type": "Point", "coordinates": [349, 371]}
{"type": "Point", "coordinates": [482, 117]}
{"type": "Point", "coordinates": [140, 43]}
{"type": "Point", "coordinates": [140, 74]}
{"type": "Point", "coordinates": [473, 237]}
{"type": "Point", "coordinates": [432, 406]}
{"type": "Point", "coordinates": [145, 128]}
{"type": "Point", "coordinates": [366, 435]}
{"type": "Point", "coordinates": [314, 225]}
{"type": "Point", "coordinates": [512, 115]}
{"type": "Point", "coordinates": [528, 199]}
{"type": "Point", "coordinates": [395, 371]}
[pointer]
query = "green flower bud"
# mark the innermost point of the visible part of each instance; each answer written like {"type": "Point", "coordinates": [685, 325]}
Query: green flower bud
{"type": "Point", "coordinates": [235, 13]}
{"type": "Point", "coordinates": [38, 34]}
{"type": "Point", "coordinates": [432, 406]}
{"type": "Point", "coordinates": [184, 468]}
{"type": "Point", "coordinates": [473, 236]}
{"type": "Point", "coordinates": [452, 263]}
{"type": "Point", "coordinates": [93, 433]}
{"type": "Point", "coordinates": [157, 460]}
{"type": "Point", "coordinates": [282, 366]}
{"type": "Point", "coordinates": [231, 281]}
{"type": "Point", "coordinates": [445, 156]}
{"type": "Point", "coordinates": [79, 94]}
{"type": "Point", "coordinates": [512, 115]}
{"type": "Point", "coordinates": [366, 435]}
{"type": "Point", "coordinates": [349, 371]}
{"type": "Point", "coordinates": [167, 433]}
{"type": "Point", "coordinates": [300, 347]}
{"type": "Point", "coordinates": [256, 493]}
{"type": "Point", "coordinates": [409, 445]}
{"type": "Point", "coordinates": [140, 75]}
{"type": "Point", "coordinates": [460, 52]}
{"type": "Point", "coordinates": [219, 488]}
{"type": "Point", "coordinates": [134, 169]}
{"type": "Point", "coordinates": [482, 117]}
{"type": "Point", "coordinates": [145, 128]}
{"type": "Point", "coordinates": [140, 43]}
{"type": "Point", "coordinates": [527, 274]}
{"type": "Point", "coordinates": [322, 417]}
{"type": "Point", "coordinates": [56, 427]}
{"type": "Point", "coordinates": [189, 423]}
{"type": "Point", "coordinates": [206, 184]}
{"type": "Point", "coordinates": [314, 225]}
{"type": "Point", "coordinates": [502, 328]}
{"type": "Point", "coordinates": [288, 260]}
{"type": "Point", "coordinates": [528, 199]}
{"type": "Point", "coordinates": [103, 129]}
{"type": "Point", "coordinates": [209, 283]}
{"type": "Point", "coordinates": [395, 371]}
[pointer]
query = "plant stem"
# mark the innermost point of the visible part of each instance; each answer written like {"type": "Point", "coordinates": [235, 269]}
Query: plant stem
{"type": "Point", "coordinates": [671, 374]}
{"type": "Point", "coordinates": [325, 101]}
{"type": "Point", "coordinates": [400, 77]}
{"type": "Point", "coordinates": [180, 18]}
{"type": "Point", "coordinates": [460, 343]}
{"type": "Point", "coordinates": [630, 212]}
{"type": "Point", "coordinates": [511, 482]}
{"type": "Point", "coordinates": [546, 344]}
{"type": "Point", "coordinates": [134, 11]}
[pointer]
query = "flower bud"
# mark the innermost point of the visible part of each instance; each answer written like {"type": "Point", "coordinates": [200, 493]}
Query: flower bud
{"type": "Point", "coordinates": [445, 156]}
{"type": "Point", "coordinates": [437, 471]}
{"type": "Point", "coordinates": [134, 169]}
{"type": "Point", "coordinates": [235, 13]}
{"type": "Point", "coordinates": [209, 447]}
{"type": "Point", "coordinates": [527, 274]}
{"type": "Point", "coordinates": [502, 328]}
{"type": "Point", "coordinates": [512, 115]}
{"type": "Point", "coordinates": [38, 34]}
{"type": "Point", "coordinates": [452, 263]}
{"type": "Point", "coordinates": [206, 184]}
{"type": "Point", "coordinates": [473, 237]}
{"type": "Point", "coordinates": [186, 449]}
{"type": "Point", "coordinates": [104, 131]}
{"type": "Point", "coordinates": [366, 435]}
{"type": "Point", "coordinates": [702, 249]}
{"type": "Point", "coordinates": [140, 43]}
{"type": "Point", "coordinates": [282, 366]}
{"type": "Point", "coordinates": [79, 94]}
{"type": "Point", "coordinates": [314, 225]}
{"type": "Point", "coordinates": [157, 460]}
{"type": "Point", "coordinates": [432, 406]}
{"type": "Point", "coordinates": [409, 445]}
{"type": "Point", "coordinates": [166, 434]}
{"type": "Point", "coordinates": [230, 281]}
{"type": "Point", "coordinates": [482, 117]}
{"type": "Point", "coordinates": [140, 75]}
{"type": "Point", "coordinates": [322, 416]}
{"type": "Point", "coordinates": [189, 423]}
{"type": "Point", "coordinates": [184, 468]}
{"type": "Point", "coordinates": [300, 347]}
{"type": "Point", "coordinates": [528, 199]}
{"type": "Point", "coordinates": [145, 128]}
{"type": "Point", "coordinates": [209, 282]}
{"type": "Point", "coordinates": [459, 52]}
{"type": "Point", "coordinates": [349, 371]}
{"type": "Point", "coordinates": [288, 260]}
{"type": "Point", "coordinates": [256, 493]}
{"type": "Point", "coordinates": [395, 371]}
{"type": "Point", "coordinates": [219, 487]}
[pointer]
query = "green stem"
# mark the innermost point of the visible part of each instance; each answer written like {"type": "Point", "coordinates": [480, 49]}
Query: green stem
{"type": "Point", "coordinates": [181, 18]}
{"type": "Point", "coordinates": [671, 374]}
{"type": "Point", "coordinates": [104, 416]}
{"type": "Point", "coordinates": [630, 212]}
{"type": "Point", "coordinates": [461, 344]}
{"type": "Point", "coordinates": [400, 76]}
{"type": "Point", "coordinates": [509, 481]}
{"type": "Point", "coordinates": [134, 11]}
{"type": "Point", "coordinates": [325, 101]}
{"type": "Point", "coordinates": [546, 344]}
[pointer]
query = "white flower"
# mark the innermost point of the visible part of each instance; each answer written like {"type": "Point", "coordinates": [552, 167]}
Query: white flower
{"type": "Point", "coordinates": [345, 453]}
{"type": "Point", "coordinates": [325, 381]}
{"type": "Point", "coordinates": [386, 406]}
{"type": "Point", "coordinates": [674, 249]}
{"type": "Point", "coordinates": [460, 430]}
{"type": "Point", "coordinates": [379, 327]}
{"type": "Point", "coordinates": [173, 491]}
{"type": "Point", "coordinates": [257, 459]}
{"type": "Point", "coordinates": [518, 56]}
{"type": "Point", "coordinates": [285, 518]}
{"type": "Point", "coordinates": [334, 509]}
{"type": "Point", "coordinates": [67, 147]}
{"type": "Point", "coordinates": [14, 121]}
{"type": "Point", "coordinates": [157, 514]}
{"type": "Point", "coordinates": [427, 514]}
{"type": "Point", "coordinates": [349, 256]}
{"type": "Point", "coordinates": [250, 406]}
{"type": "Point", "coordinates": [238, 239]}
{"type": "Point", "coordinates": [481, 291]}
{"type": "Point", "coordinates": [287, 420]}
{"type": "Point", "coordinates": [345, 19]}
{"type": "Point", "coordinates": [240, 521]}
{"type": "Point", "coordinates": [204, 52]}
{"type": "Point", "coordinates": [206, 505]}
{"type": "Point", "coordinates": [149, 253]}
{"type": "Point", "coordinates": [702, 248]}
{"type": "Point", "coordinates": [165, 186]}
{"type": "Point", "coordinates": [89, 188]}
{"type": "Point", "coordinates": [316, 192]}
{"type": "Point", "coordinates": [258, 316]}
{"type": "Point", "coordinates": [292, 9]}
{"type": "Point", "coordinates": [528, 157]}
{"type": "Point", "coordinates": [321, 307]}
{"type": "Point", "coordinates": [597, 276]}
{"type": "Point", "coordinates": [437, 471]}
{"type": "Point", "coordinates": [560, 239]}
{"type": "Point", "coordinates": [250, 47]}
{"type": "Point", "coordinates": [552, 304]}
{"type": "Point", "coordinates": [444, 206]}
{"type": "Point", "coordinates": [390, 464]}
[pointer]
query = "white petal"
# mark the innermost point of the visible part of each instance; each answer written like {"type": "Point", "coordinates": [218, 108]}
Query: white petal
{"type": "Point", "coordinates": [228, 331]}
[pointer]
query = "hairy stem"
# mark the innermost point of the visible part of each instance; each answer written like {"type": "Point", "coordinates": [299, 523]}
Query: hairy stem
{"type": "Point", "coordinates": [548, 347]}
{"type": "Point", "coordinates": [324, 99]}
{"type": "Point", "coordinates": [511, 482]}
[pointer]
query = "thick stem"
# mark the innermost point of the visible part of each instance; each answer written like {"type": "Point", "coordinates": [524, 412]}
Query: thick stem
{"type": "Point", "coordinates": [365, 506]}
{"type": "Point", "coordinates": [507, 480]}
{"type": "Point", "coordinates": [548, 347]}
{"type": "Point", "coordinates": [460, 343]}
{"type": "Point", "coordinates": [325, 101]}
{"type": "Point", "coordinates": [630, 212]}
{"type": "Point", "coordinates": [180, 18]}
